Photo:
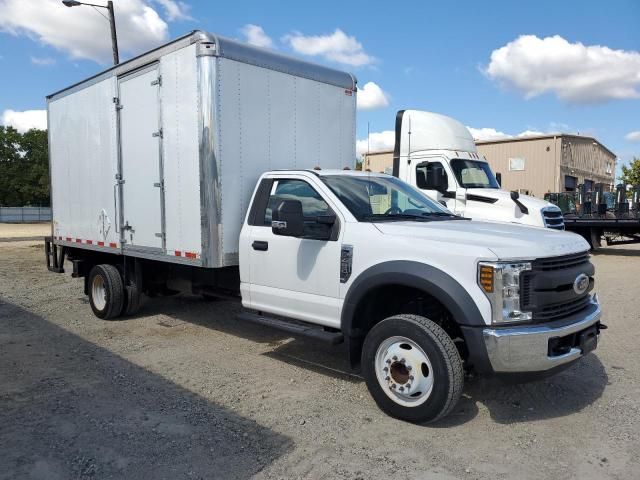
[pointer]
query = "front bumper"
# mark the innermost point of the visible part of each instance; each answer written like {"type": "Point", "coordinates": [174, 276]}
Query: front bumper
{"type": "Point", "coordinates": [527, 348]}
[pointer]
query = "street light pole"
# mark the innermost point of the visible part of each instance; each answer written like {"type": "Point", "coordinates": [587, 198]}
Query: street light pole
{"type": "Point", "coordinates": [114, 37]}
{"type": "Point", "coordinates": [112, 23]}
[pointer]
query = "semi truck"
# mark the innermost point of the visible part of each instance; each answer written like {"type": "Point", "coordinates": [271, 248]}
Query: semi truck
{"type": "Point", "coordinates": [212, 167]}
{"type": "Point", "coordinates": [438, 155]}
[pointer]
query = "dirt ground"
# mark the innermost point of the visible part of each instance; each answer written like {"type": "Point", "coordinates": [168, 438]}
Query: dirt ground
{"type": "Point", "coordinates": [23, 231]}
{"type": "Point", "coordinates": [184, 390]}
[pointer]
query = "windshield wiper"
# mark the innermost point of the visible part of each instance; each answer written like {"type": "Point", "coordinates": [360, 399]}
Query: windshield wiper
{"type": "Point", "coordinates": [452, 216]}
{"type": "Point", "coordinates": [395, 216]}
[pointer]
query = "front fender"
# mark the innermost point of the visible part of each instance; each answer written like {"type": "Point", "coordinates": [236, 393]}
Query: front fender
{"type": "Point", "coordinates": [431, 280]}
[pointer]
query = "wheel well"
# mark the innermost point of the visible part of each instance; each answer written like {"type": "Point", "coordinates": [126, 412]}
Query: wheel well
{"type": "Point", "coordinates": [387, 300]}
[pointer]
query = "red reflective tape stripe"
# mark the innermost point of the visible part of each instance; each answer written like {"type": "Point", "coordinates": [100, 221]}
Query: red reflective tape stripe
{"type": "Point", "coordinates": [190, 255]}
{"type": "Point", "coordinates": [78, 240]}
{"type": "Point", "coordinates": [113, 245]}
{"type": "Point", "coordinates": [69, 239]}
{"type": "Point", "coordinates": [178, 253]}
{"type": "Point", "coordinates": [89, 242]}
{"type": "Point", "coordinates": [101, 244]}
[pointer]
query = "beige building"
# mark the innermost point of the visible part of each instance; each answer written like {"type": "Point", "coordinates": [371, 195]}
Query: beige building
{"type": "Point", "coordinates": [550, 163]}
{"type": "Point", "coordinates": [535, 165]}
{"type": "Point", "coordinates": [378, 162]}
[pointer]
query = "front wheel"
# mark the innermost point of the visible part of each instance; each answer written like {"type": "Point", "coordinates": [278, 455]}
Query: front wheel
{"type": "Point", "coordinates": [412, 368]}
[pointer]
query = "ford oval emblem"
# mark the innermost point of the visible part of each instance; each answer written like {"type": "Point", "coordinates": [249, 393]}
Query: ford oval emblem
{"type": "Point", "coordinates": [581, 284]}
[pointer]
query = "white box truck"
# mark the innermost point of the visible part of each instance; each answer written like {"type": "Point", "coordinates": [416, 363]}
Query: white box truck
{"type": "Point", "coordinates": [213, 167]}
{"type": "Point", "coordinates": [438, 155]}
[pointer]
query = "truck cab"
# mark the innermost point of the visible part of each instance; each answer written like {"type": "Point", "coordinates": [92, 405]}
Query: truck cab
{"type": "Point", "coordinates": [438, 155]}
{"type": "Point", "coordinates": [417, 292]}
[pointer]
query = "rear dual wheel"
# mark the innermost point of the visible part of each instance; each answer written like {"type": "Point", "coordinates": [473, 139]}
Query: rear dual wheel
{"type": "Point", "coordinates": [108, 296]}
{"type": "Point", "coordinates": [412, 368]}
{"type": "Point", "coordinates": [106, 291]}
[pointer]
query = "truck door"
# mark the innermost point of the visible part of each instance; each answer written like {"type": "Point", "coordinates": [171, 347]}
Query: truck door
{"type": "Point", "coordinates": [425, 173]}
{"type": "Point", "coordinates": [141, 182]}
{"type": "Point", "coordinates": [296, 277]}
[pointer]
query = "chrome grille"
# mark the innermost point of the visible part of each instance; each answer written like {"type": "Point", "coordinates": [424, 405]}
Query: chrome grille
{"type": "Point", "coordinates": [546, 290]}
{"type": "Point", "coordinates": [552, 217]}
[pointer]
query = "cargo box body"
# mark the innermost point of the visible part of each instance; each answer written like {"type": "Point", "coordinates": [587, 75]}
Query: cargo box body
{"type": "Point", "coordinates": [158, 157]}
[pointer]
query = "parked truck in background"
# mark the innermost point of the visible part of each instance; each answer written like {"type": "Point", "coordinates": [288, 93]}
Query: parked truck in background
{"type": "Point", "coordinates": [438, 155]}
{"type": "Point", "coordinates": [596, 213]}
{"type": "Point", "coordinates": [212, 167]}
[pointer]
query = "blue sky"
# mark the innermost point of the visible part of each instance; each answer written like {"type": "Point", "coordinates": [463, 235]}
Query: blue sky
{"type": "Point", "coordinates": [577, 68]}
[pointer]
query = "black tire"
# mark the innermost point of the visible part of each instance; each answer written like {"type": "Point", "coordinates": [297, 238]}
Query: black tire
{"type": "Point", "coordinates": [446, 367]}
{"type": "Point", "coordinates": [132, 300]}
{"type": "Point", "coordinates": [111, 281]}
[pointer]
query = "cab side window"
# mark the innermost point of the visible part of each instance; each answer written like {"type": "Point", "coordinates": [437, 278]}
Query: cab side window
{"type": "Point", "coordinates": [425, 175]}
{"type": "Point", "coordinates": [313, 205]}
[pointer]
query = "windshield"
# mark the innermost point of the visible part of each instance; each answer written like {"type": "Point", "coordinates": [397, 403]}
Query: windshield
{"type": "Point", "coordinates": [382, 198]}
{"type": "Point", "coordinates": [473, 174]}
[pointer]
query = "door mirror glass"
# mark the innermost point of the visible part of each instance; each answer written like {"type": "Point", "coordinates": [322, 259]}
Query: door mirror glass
{"type": "Point", "coordinates": [437, 178]}
{"type": "Point", "coordinates": [287, 219]}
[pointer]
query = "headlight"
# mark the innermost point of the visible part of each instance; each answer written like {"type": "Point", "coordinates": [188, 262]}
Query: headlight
{"type": "Point", "coordinates": [500, 281]}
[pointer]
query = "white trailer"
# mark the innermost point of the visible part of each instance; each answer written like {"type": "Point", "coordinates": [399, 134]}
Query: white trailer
{"type": "Point", "coordinates": [157, 157]}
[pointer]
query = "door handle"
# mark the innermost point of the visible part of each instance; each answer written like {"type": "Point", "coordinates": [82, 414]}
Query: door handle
{"type": "Point", "coordinates": [260, 245]}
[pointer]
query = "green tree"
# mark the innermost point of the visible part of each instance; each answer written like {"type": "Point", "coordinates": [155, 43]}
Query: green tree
{"type": "Point", "coordinates": [24, 167]}
{"type": "Point", "coordinates": [631, 174]}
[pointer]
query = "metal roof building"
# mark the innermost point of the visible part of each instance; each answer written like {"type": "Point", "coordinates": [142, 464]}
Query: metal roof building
{"type": "Point", "coordinates": [550, 163]}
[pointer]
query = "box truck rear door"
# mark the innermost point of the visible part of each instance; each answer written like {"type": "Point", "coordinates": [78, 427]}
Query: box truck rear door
{"type": "Point", "coordinates": [140, 160]}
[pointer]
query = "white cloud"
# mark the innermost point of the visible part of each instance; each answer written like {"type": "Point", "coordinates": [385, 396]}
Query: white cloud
{"type": "Point", "coordinates": [633, 136]}
{"type": "Point", "coordinates": [378, 141]}
{"type": "Point", "coordinates": [23, 121]}
{"type": "Point", "coordinates": [255, 35]}
{"type": "Point", "coordinates": [336, 47]}
{"type": "Point", "coordinates": [576, 73]}
{"type": "Point", "coordinates": [371, 96]}
{"type": "Point", "coordinates": [487, 134]}
{"type": "Point", "coordinates": [43, 61]}
{"type": "Point", "coordinates": [175, 10]}
{"type": "Point", "coordinates": [531, 133]}
{"type": "Point", "coordinates": [81, 31]}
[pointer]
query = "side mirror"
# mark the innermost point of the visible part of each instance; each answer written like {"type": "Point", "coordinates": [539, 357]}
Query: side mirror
{"type": "Point", "coordinates": [440, 181]}
{"type": "Point", "coordinates": [287, 219]}
{"type": "Point", "coordinates": [499, 178]}
{"type": "Point", "coordinates": [514, 195]}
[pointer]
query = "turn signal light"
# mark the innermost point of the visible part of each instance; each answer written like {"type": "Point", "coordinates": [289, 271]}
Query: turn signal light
{"type": "Point", "coordinates": [486, 278]}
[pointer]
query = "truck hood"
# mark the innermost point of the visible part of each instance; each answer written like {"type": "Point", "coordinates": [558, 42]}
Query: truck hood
{"type": "Point", "coordinates": [507, 241]}
{"type": "Point", "coordinates": [504, 197]}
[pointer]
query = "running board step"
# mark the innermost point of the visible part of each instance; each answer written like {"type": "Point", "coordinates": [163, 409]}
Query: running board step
{"type": "Point", "coordinates": [319, 333]}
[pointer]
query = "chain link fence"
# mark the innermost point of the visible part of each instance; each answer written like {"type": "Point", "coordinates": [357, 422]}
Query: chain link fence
{"type": "Point", "coordinates": [25, 214]}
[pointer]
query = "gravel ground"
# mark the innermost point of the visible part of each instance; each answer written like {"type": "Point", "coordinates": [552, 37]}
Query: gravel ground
{"type": "Point", "coordinates": [183, 390]}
